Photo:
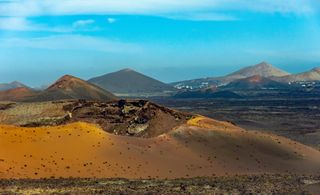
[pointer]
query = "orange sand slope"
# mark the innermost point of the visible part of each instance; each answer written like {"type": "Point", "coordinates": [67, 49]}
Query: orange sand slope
{"type": "Point", "coordinates": [202, 147]}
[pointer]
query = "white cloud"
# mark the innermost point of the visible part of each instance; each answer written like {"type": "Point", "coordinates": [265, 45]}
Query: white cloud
{"type": "Point", "coordinates": [82, 23]}
{"type": "Point", "coordinates": [202, 17]}
{"type": "Point", "coordinates": [14, 14]}
{"type": "Point", "coordinates": [71, 42]}
{"type": "Point", "coordinates": [283, 6]}
{"type": "Point", "coordinates": [153, 7]}
{"type": "Point", "coordinates": [23, 24]}
{"type": "Point", "coordinates": [15, 23]}
{"type": "Point", "coordinates": [111, 20]}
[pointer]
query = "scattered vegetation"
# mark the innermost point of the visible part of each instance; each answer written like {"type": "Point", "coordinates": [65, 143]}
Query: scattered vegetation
{"type": "Point", "coordinates": [263, 184]}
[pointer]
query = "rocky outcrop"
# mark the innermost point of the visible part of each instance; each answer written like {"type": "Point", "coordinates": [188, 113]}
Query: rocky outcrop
{"type": "Point", "coordinates": [139, 118]}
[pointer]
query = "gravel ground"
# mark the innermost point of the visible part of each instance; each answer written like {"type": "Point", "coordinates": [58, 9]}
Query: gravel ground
{"type": "Point", "coordinates": [262, 184]}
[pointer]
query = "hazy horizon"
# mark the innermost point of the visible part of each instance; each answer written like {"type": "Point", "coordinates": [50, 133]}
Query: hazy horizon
{"type": "Point", "coordinates": [168, 40]}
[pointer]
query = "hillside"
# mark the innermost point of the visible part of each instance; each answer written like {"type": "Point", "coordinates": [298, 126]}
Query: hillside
{"type": "Point", "coordinates": [128, 81]}
{"type": "Point", "coordinates": [16, 94]}
{"type": "Point", "coordinates": [13, 85]}
{"type": "Point", "coordinates": [256, 82]}
{"type": "Point", "coordinates": [262, 69]}
{"type": "Point", "coordinates": [196, 147]}
{"type": "Point", "coordinates": [312, 75]}
{"type": "Point", "coordinates": [69, 87]}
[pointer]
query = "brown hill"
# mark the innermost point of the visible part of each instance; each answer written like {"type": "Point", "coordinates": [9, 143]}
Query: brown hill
{"type": "Point", "coordinates": [196, 147]}
{"type": "Point", "coordinates": [69, 87]}
{"type": "Point", "coordinates": [16, 94]}
{"type": "Point", "coordinates": [129, 82]}
{"type": "Point", "coordinates": [201, 147]}
{"type": "Point", "coordinates": [138, 118]}
{"type": "Point", "coordinates": [262, 69]}
{"type": "Point", "coordinates": [312, 75]}
{"type": "Point", "coordinates": [255, 82]}
{"type": "Point", "coordinates": [13, 85]}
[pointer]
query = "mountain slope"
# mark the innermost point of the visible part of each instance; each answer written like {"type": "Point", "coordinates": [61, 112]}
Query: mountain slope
{"type": "Point", "coordinates": [7, 86]}
{"type": "Point", "coordinates": [255, 82]}
{"type": "Point", "coordinates": [69, 87]}
{"type": "Point", "coordinates": [263, 69]}
{"type": "Point", "coordinates": [128, 81]}
{"type": "Point", "coordinates": [312, 75]}
{"type": "Point", "coordinates": [200, 147]}
{"type": "Point", "coordinates": [190, 146]}
{"type": "Point", "coordinates": [16, 94]}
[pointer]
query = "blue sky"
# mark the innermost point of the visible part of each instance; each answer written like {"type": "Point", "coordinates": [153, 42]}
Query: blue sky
{"type": "Point", "coordinates": [171, 40]}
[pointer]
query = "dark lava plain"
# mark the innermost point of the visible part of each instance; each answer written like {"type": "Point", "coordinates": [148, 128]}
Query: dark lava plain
{"type": "Point", "coordinates": [295, 118]}
{"type": "Point", "coordinates": [263, 184]}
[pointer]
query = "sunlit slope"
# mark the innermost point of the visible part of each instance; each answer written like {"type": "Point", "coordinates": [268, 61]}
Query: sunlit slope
{"type": "Point", "coordinates": [70, 87]}
{"type": "Point", "coordinates": [203, 147]}
{"type": "Point", "coordinates": [239, 151]}
{"type": "Point", "coordinates": [17, 94]}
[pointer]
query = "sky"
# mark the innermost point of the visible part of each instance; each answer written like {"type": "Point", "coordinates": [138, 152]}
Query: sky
{"type": "Point", "coordinates": [171, 40]}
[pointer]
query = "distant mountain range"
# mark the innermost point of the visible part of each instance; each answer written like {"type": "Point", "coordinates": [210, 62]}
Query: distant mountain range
{"type": "Point", "coordinates": [129, 82]}
{"type": "Point", "coordinates": [70, 87]}
{"type": "Point", "coordinates": [262, 69]}
{"type": "Point", "coordinates": [17, 94]}
{"type": "Point", "coordinates": [13, 85]}
{"type": "Point", "coordinates": [312, 75]}
{"type": "Point", "coordinates": [255, 82]}
{"type": "Point", "coordinates": [235, 89]}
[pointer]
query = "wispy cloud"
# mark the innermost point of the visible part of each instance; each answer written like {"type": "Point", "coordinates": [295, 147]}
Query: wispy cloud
{"type": "Point", "coordinates": [23, 24]}
{"type": "Point", "coordinates": [154, 7]}
{"type": "Point", "coordinates": [16, 23]}
{"type": "Point", "coordinates": [202, 17]}
{"type": "Point", "coordinates": [82, 23]}
{"type": "Point", "coordinates": [280, 6]}
{"type": "Point", "coordinates": [111, 20]}
{"type": "Point", "coordinates": [72, 42]}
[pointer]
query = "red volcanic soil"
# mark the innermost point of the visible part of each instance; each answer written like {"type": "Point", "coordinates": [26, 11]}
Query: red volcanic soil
{"type": "Point", "coordinates": [16, 94]}
{"type": "Point", "coordinates": [13, 85]}
{"type": "Point", "coordinates": [69, 87]}
{"type": "Point", "coordinates": [255, 82]}
{"type": "Point", "coordinates": [255, 79]}
{"type": "Point", "coordinates": [312, 75]}
{"type": "Point", "coordinates": [263, 69]}
{"type": "Point", "coordinates": [200, 147]}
